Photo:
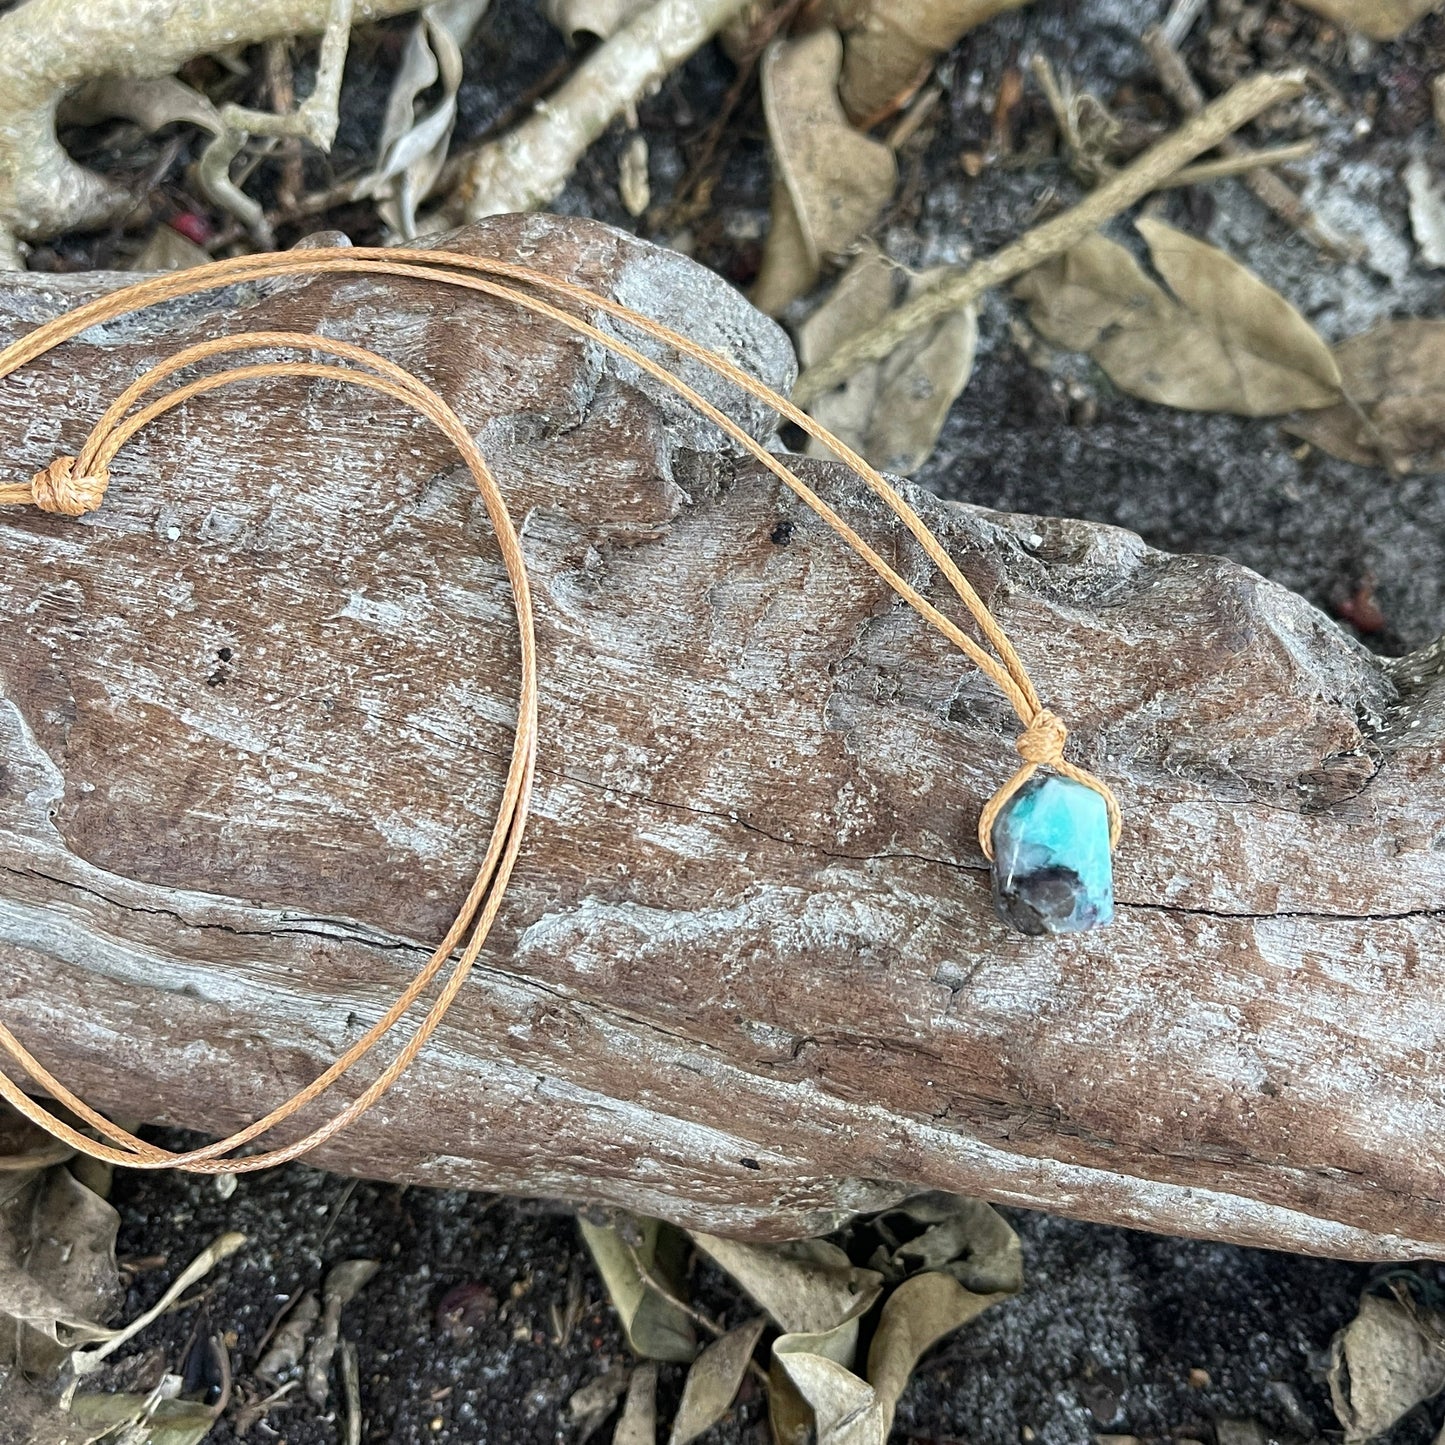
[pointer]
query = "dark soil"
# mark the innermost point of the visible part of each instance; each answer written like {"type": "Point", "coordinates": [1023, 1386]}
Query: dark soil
{"type": "Point", "coordinates": [1113, 1327]}
{"type": "Point", "coordinates": [1107, 1336]}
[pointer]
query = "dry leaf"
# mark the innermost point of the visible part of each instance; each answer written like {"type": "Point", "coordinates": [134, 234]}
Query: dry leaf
{"type": "Point", "coordinates": [590, 1405]}
{"type": "Point", "coordinates": [845, 1409]}
{"type": "Point", "coordinates": [815, 1295]}
{"type": "Point", "coordinates": [1394, 379]}
{"type": "Point", "coordinates": [812, 1384]}
{"type": "Point", "coordinates": [143, 1419]}
{"type": "Point", "coordinates": [789, 1414]}
{"type": "Point", "coordinates": [655, 1327]}
{"type": "Point", "coordinates": [413, 144]}
{"type": "Point", "coordinates": [830, 182]}
{"type": "Point", "coordinates": [577, 19]}
{"type": "Point", "coordinates": [638, 1425]}
{"type": "Point", "coordinates": [1383, 1364]}
{"type": "Point", "coordinates": [713, 1380]}
{"type": "Point", "coordinates": [967, 1239]}
{"type": "Point", "coordinates": [1379, 19]}
{"type": "Point", "coordinates": [919, 1313]}
{"type": "Point", "coordinates": [890, 411]}
{"type": "Point", "coordinates": [808, 1286]}
{"type": "Point", "coordinates": [58, 1277]}
{"type": "Point", "coordinates": [1427, 212]}
{"type": "Point", "coordinates": [892, 43]}
{"type": "Point", "coordinates": [1224, 341]}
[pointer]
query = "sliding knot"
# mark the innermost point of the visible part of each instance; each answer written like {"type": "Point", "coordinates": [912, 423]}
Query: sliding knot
{"type": "Point", "coordinates": [1042, 742]}
{"type": "Point", "coordinates": [56, 488]}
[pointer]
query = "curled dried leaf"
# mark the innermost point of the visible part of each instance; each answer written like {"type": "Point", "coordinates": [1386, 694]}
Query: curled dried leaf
{"type": "Point", "coordinates": [830, 182]}
{"type": "Point", "coordinates": [1394, 413]}
{"type": "Point", "coordinates": [414, 139]}
{"type": "Point", "coordinates": [808, 1286]}
{"type": "Point", "coordinates": [640, 1263]}
{"type": "Point", "coordinates": [813, 1386]}
{"type": "Point", "coordinates": [1382, 1364]}
{"type": "Point", "coordinates": [789, 1414]}
{"type": "Point", "coordinates": [919, 1313]}
{"type": "Point", "coordinates": [845, 1409]}
{"type": "Point", "coordinates": [58, 1276]}
{"type": "Point", "coordinates": [713, 1380]}
{"type": "Point", "coordinates": [968, 1239]}
{"type": "Point", "coordinates": [1222, 341]}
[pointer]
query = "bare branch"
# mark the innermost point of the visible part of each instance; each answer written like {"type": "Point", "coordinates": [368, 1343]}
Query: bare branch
{"type": "Point", "coordinates": [1200, 133]}
{"type": "Point", "coordinates": [525, 169]}
{"type": "Point", "coordinates": [49, 48]}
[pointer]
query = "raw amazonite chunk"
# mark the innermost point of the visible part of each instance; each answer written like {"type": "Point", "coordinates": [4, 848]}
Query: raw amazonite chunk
{"type": "Point", "coordinates": [1052, 869]}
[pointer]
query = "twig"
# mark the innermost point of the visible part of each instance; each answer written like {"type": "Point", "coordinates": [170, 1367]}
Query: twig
{"type": "Point", "coordinates": [659, 1288]}
{"type": "Point", "coordinates": [774, 22]}
{"type": "Point", "coordinates": [695, 1315]}
{"type": "Point", "coordinates": [1059, 102]}
{"type": "Point", "coordinates": [1183, 90]}
{"type": "Point", "coordinates": [83, 1361]}
{"type": "Point", "coordinates": [351, 1389]}
{"type": "Point", "coordinates": [1239, 164]}
{"type": "Point", "coordinates": [919, 109]}
{"type": "Point", "coordinates": [316, 119]}
{"type": "Point", "coordinates": [1198, 134]}
{"type": "Point", "coordinates": [281, 83]}
{"type": "Point", "coordinates": [1180, 20]}
{"type": "Point", "coordinates": [528, 167]}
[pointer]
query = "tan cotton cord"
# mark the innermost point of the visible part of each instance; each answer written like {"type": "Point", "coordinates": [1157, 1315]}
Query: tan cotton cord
{"type": "Point", "coordinates": [72, 486]}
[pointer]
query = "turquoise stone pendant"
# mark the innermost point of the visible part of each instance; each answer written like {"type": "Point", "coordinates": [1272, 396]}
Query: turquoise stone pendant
{"type": "Point", "coordinates": [1052, 868]}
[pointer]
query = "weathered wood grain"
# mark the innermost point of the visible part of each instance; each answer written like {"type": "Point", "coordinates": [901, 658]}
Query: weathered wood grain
{"type": "Point", "coordinates": [748, 977]}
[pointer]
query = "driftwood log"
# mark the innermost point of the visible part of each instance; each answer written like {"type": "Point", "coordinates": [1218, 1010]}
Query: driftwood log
{"type": "Point", "coordinates": [748, 977]}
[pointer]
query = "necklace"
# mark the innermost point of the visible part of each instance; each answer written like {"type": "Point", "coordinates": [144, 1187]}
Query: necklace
{"type": "Point", "coordinates": [1048, 832]}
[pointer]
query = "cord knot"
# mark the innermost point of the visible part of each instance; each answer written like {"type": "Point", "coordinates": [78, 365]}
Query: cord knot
{"type": "Point", "coordinates": [56, 488]}
{"type": "Point", "coordinates": [1042, 741]}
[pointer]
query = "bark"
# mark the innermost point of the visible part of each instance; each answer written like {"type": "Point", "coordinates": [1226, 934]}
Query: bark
{"type": "Point", "coordinates": [748, 976]}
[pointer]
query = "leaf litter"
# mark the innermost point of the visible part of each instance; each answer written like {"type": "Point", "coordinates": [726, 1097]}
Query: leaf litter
{"type": "Point", "coordinates": [830, 180]}
{"type": "Point", "coordinates": [890, 411]}
{"type": "Point", "coordinates": [1387, 1360]}
{"type": "Point", "coordinates": [1218, 339]}
{"type": "Point", "coordinates": [939, 1263]}
{"type": "Point", "coordinates": [892, 45]}
{"type": "Point", "coordinates": [59, 1285]}
{"type": "Point", "coordinates": [1393, 414]}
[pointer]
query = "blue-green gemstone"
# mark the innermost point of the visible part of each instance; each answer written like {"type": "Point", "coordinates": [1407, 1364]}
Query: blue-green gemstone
{"type": "Point", "coordinates": [1052, 868]}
